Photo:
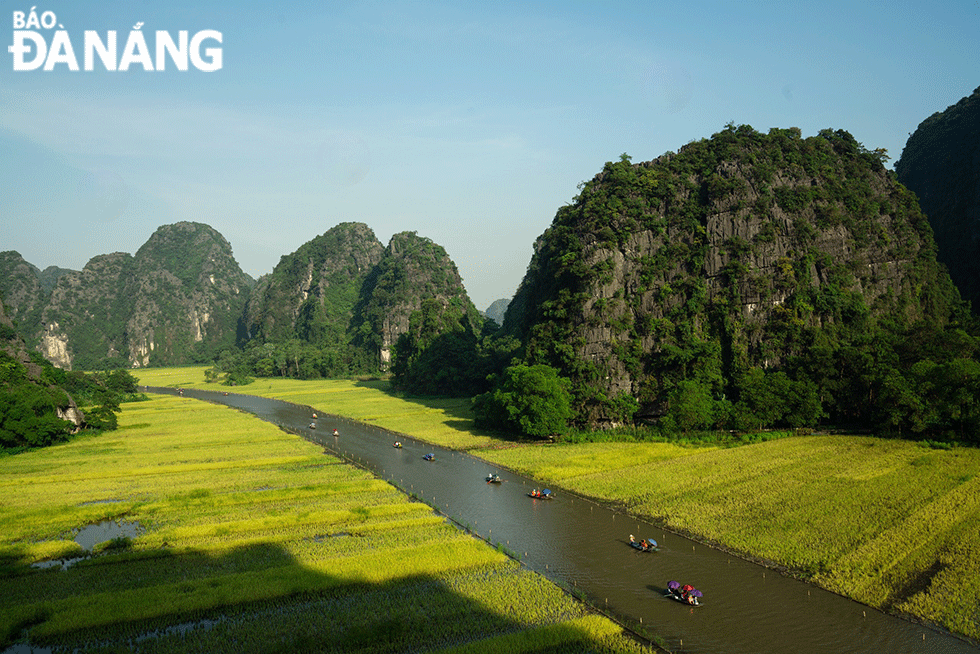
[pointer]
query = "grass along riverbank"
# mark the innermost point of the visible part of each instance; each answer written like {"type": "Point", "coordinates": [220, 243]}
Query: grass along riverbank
{"type": "Point", "coordinates": [890, 523]}
{"type": "Point", "coordinates": [251, 539]}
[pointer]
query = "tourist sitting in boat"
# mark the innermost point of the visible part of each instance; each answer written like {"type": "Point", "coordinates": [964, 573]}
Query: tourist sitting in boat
{"type": "Point", "coordinates": [336, 433]}
{"type": "Point", "coordinates": [398, 444]}
{"type": "Point", "coordinates": [312, 425]}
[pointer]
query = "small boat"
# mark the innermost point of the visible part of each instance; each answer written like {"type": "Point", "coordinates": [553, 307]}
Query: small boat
{"type": "Point", "coordinates": [429, 457]}
{"type": "Point", "coordinates": [541, 495]}
{"type": "Point", "coordinates": [494, 479]}
{"type": "Point", "coordinates": [397, 445]}
{"type": "Point", "coordinates": [312, 425]}
{"type": "Point", "coordinates": [336, 433]}
{"type": "Point", "coordinates": [686, 594]}
{"type": "Point", "coordinates": [644, 545]}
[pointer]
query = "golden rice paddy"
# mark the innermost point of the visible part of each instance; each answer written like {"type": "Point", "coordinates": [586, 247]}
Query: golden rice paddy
{"type": "Point", "coordinates": [252, 539]}
{"type": "Point", "coordinates": [887, 522]}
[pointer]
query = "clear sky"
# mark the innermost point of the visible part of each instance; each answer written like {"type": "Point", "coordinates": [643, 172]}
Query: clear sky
{"type": "Point", "coordinates": [470, 123]}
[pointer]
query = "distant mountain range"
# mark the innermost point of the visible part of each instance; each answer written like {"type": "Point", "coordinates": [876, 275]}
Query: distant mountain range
{"type": "Point", "coordinates": [747, 279]}
{"type": "Point", "coordinates": [183, 298]}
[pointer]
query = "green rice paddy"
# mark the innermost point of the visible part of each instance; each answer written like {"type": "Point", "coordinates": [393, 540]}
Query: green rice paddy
{"type": "Point", "coordinates": [889, 523]}
{"type": "Point", "coordinates": [254, 540]}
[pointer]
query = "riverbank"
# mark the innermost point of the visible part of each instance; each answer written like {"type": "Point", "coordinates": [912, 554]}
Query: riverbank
{"type": "Point", "coordinates": [244, 538]}
{"type": "Point", "coordinates": [889, 523]}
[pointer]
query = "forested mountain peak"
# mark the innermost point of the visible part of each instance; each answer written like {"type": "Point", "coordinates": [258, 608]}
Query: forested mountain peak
{"type": "Point", "coordinates": [192, 252]}
{"type": "Point", "coordinates": [179, 299]}
{"type": "Point", "coordinates": [311, 293]}
{"type": "Point", "coordinates": [941, 164]}
{"type": "Point", "coordinates": [684, 278]}
{"type": "Point", "coordinates": [413, 269]}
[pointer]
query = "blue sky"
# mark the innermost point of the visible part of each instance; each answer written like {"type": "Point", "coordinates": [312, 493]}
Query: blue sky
{"type": "Point", "coordinates": [470, 123]}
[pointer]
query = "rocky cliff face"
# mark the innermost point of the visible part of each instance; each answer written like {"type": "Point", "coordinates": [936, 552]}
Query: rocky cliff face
{"type": "Point", "coordinates": [85, 316]}
{"type": "Point", "coordinates": [21, 288]}
{"type": "Point", "coordinates": [14, 354]}
{"type": "Point", "coordinates": [412, 270]}
{"type": "Point", "coordinates": [188, 293]}
{"type": "Point", "coordinates": [941, 164]}
{"type": "Point", "coordinates": [350, 297]}
{"type": "Point", "coordinates": [732, 253]}
{"type": "Point", "coordinates": [312, 292]}
{"type": "Point", "coordinates": [180, 297]}
{"type": "Point", "coordinates": [497, 310]}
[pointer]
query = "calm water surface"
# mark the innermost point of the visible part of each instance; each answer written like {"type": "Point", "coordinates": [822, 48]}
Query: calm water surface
{"type": "Point", "coordinates": [747, 608]}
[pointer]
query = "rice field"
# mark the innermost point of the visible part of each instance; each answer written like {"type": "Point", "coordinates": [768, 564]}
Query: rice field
{"type": "Point", "coordinates": [251, 539]}
{"type": "Point", "coordinates": [889, 523]}
{"type": "Point", "coordinates": [443, 421]}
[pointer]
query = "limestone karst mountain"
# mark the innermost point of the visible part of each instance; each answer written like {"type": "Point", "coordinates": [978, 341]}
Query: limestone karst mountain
{"type": "Point", "coordinates": [178, 299]}
{"type": "Point", "coordinates": [941, 164]}
{"type": "Point", "coordinates": [666, 282]}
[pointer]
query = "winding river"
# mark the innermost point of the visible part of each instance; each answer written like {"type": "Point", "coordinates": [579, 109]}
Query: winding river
{"type": "Point", "coordinates": [746, 607]}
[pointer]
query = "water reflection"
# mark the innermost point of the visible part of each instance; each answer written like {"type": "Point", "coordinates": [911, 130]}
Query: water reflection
{"type": "Point", "coordinates": [90, 536]}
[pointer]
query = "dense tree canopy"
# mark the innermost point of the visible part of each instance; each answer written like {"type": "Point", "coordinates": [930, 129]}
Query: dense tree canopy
{"type": "Point", "coordinates": [751, 281]}
{"type": "Point", "coordinates": [530, 401]}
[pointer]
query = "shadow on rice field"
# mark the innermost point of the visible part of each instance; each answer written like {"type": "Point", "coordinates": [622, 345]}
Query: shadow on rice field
{"type": "Point", "coordinates": [253, 540]}
{"type": "Point", "coordinates": [198, 602]}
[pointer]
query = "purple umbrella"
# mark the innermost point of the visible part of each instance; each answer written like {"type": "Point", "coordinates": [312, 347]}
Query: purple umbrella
{"type": "Point", "coordinates": [696, 593]}
{"type": "Point", "coordinates": [673, 585]}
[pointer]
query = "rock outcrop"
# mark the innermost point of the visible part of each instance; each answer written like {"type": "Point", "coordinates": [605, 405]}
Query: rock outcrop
{"type": "Point", "coordinates": [497, 310]}
{"type": "Point", "coordinates": [412, 270]}
{"type": "Point", "coordinates": [727, 255]}
{"type": "Point", "coordinates": [311, 293]}
{"type": "Point", "coordinates": [941, 164]}
{"type": "Point", "coordinates": [178, 299]}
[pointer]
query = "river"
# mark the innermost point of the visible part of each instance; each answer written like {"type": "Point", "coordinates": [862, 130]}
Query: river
{"type": "Point", "coordinates": [746, 608]}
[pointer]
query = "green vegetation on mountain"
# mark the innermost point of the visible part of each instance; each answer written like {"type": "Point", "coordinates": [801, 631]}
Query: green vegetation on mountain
{"type": "Point", "coordinates": [415, 314]}
{"type": "Point", "coordinates": [748, 281]}
{"type": "Point", "coordinates": [41, 405]}
{"type": "Point", "coordinates": [297, 319]}
{"type": "Point", "coordinates": [941, 164]}
{"type": "Point", "coordinates": [22, 290]}
{"type": "Point", "coordinates": [343, 305]}
{"type": "Point", "coordinates": [178, 300]}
